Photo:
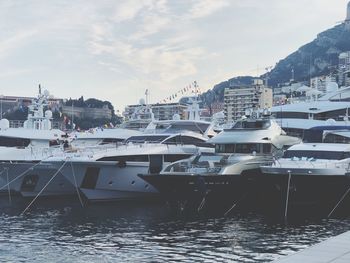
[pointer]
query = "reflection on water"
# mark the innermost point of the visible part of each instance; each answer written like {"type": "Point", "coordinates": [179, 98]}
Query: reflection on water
{"type": "Point", "coordinates": [63, 231]}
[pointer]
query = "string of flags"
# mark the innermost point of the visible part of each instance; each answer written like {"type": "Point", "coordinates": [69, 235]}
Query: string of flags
{"type": "Point", "coordinates": [191, 88]}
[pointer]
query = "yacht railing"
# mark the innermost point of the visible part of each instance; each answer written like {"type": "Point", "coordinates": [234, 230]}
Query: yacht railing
{"type": "Point", "coordinates": [313, 163]}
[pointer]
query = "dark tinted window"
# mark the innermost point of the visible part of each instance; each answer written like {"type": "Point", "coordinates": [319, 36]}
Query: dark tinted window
{"type": "Point", "coordinates": [130, 158]}
{"type": "Point", "coordinates": [243, 148]}
{"type": "Point", "coordinates": [259, 124]}
{"type": "Point", "coordinates": [13, 142]}
{"type": "Point", "coordinates": [175, 157]}
{"type": "Point", "coordinates": [187, 140]}
{"type": "Point", "coordinates": [183, 126]}
{"type": "Point", "coordinates": [291, 115]}
{"type": "Point", "coordinates": [149, 138]}
{"type": "Point", "coordinates": [54, 143]}
{"type": "Point", "coordinates": [111, 140]}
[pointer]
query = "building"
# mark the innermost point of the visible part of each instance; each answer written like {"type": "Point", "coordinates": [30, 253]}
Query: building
{"type": "Point", "coordinates": [347, 19]}
{"type": "Point", "coordinates": [320, 83]}
{"type": "Point", "coordinates": [162, 111]}
{"type": "Point", "coordinates": [11, 103]}
{"type": "Point", "coordinates": [237, 99]}
{"type": "Point", "coordinates": [344, 69]}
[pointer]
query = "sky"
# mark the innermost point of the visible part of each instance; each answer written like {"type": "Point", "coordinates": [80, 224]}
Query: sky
{"type": "Point", "coordinates": [114, 50]}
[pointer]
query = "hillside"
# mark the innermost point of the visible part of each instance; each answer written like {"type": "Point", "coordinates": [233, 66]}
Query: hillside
{"type": "Point", "coordinates": [316, 58]}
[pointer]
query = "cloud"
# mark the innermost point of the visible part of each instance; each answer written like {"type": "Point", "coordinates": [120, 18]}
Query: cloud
{"type": "Point", "coordinates": [10, 44]}
{"type": "Point", "coordinates": [151, 24]}
{"type": "Point", "coordinates": [203, 8]}
{"type": "Point", "coordinates": [127, 10]}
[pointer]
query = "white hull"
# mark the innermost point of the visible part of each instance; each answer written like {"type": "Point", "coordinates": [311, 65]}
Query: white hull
{"type": "Point", "coordinates": [110, 182]}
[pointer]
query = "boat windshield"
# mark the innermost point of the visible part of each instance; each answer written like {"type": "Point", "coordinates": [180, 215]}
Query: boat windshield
{"type": "Point", "coordinates": [146, 138]}
{"type": "Point", "coordinates": [179, 127]}
{"type": "Point", "coordinates": [13, 142]}
{"type": "Point", "coordinates": [257, 124]}
{"type": "Point", "coordinates": [135, 125]}
{"type": "Point", "coordinates": [244, 148]}
{"type": "Point", "coordinates": [325, 155]}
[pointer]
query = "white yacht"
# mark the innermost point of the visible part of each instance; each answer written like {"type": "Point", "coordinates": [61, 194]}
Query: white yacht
{"type": "Point", "coordinates": [112, 174]}
{"type": "Point", "coordinates": [225, 175]}
{"type": "Point", "coordinates": [330, 109]}
{"type": "Point", "coordinates": [309, 175]}
{"type": "Point", "coordinates": [22, 149]}
{"type": "Point", "coordinates": [101, 136]}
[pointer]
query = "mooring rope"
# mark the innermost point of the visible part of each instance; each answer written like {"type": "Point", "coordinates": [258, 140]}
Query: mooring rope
{"type": "Point", "coordinates": [340, 201]}
{"type": "Point", "coordinates": [8, 185]}
{"type": "Point", "coordinates": [287, 197]}
{"type": "Point", "coordinates": [76, 184]}
{"type": "Point", "coordinates": [236, 203]}
{"type": "Point", "coordinates": [36, 197]}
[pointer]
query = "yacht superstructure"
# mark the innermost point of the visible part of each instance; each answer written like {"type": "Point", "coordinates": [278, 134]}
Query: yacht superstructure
{"type": "Point", "coordinates": [21, 149]}
{"type": "Point", "coordinates": [329, 110]}
{"type": "Point", "coordinates": [112, 174]}
{"type": "Point", "coordinates": [239, 152]}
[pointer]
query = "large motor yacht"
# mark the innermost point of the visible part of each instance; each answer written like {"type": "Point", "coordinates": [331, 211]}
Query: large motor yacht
{"type": "Point", "coordinates": [22, 149]}
{"type": "Point", "coordinates": [112, 174]}
{"type": "Point", "coordinates": [332, 108]}
{"type": "Point", "coordinates": [227, 175]}
{"type": "Point", "coordinates": [315, 176]}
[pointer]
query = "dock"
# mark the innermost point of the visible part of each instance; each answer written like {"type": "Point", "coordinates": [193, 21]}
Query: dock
{"type": "Point", "coordinates": [335, 249]}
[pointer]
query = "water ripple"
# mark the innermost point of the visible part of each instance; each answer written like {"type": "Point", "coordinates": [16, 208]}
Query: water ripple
{"type": "Point", "coordinates": [148, 233]}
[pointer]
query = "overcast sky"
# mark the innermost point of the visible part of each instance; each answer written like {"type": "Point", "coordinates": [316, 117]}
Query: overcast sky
{"type": "Point", "coordinates": [115, 50]}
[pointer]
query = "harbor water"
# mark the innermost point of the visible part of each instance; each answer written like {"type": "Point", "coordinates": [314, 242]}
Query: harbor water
{"type": "Point", "coordinates": [63, 231]}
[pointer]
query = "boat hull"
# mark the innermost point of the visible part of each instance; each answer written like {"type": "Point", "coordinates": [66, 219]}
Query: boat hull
{"type": "Point", "coordinates": [210, 192]}
{"type": "Point", "coordinates": [30, 178]}
{"type": "Point", "coordinates": [308, 194]}
{"type": "Point", "coordinates": [107, 181]}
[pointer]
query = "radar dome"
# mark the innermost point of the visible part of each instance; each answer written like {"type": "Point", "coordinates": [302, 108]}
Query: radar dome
{"type": "Point", "coordinates": [331, 87]}
{"type": "Point", "coordinates": [331, 122]}
{"type": "Point", "coordinates": [4, 124]}
{"type": "Point", "coordinates": [176, 117]}
{"type": "Point", "coordinates": [219, 115]}
{"type": "Point", "coordinates": [142, 101]}
{"type": "Point", "coordinates": [46, 93]}
{"type": "Point", "coordinates": [48, 114]}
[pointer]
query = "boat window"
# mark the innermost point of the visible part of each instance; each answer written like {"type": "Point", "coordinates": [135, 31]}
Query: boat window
{"type": "Point", "coordinates": [291, 115]}
{"type": "Point", "coordinates": [13, 142]}
{"type": "Point", "coordinates": [225, 148]}
{"type": "Point", "coordinates": [243, 148]}
{"type": "Point", "coordinates": [247, 148]}
{"type": "Point", "coordinates": [335, 138]}
{"type": "Point", "coordinates": [183, 126]}
{"type": "Point", "coordinates": [267, 148]}
{"type": "Point", "coordinates": [258, 124]}
{"type": "Point", "coordinates": [186, 140]}
{"type": "Point", "coordinates": [325, 155]}
{"type": "Point", "coordinates": [137, 125]}
{"type": "Point", "coordinates": [175, 157]}
{"type": "Point", "coordinates": [129, 158]}
{"type": "Point", "coordinates": [111, 140]}
{"type": "Point", "coordinates": [147, 138]}
{"type": "Point", "coordinates": [54, 143]}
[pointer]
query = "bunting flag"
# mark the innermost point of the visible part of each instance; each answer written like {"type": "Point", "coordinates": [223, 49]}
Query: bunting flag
{"type": "Point", "coordinates": [191, 88]}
